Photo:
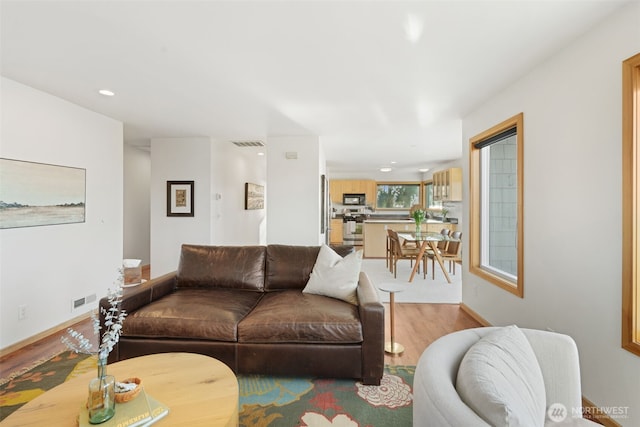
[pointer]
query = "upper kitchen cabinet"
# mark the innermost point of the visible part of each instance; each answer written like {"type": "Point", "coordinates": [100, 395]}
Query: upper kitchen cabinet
{"type": "Point", "coordinates": [370, 189]}
{"type": "Point", "coordinates": [337, 187]}
{"type": "Point", "coordinates": [447, 185]}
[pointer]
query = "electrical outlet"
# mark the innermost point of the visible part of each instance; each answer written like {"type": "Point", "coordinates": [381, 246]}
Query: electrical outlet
{"type": "Point", "coordinates": [22, 312]}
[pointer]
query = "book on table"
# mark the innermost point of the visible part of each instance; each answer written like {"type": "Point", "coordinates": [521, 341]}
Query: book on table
{"type": "Point", "coordinates": [157, 410]}
{"type": "Point", "coordinates": [142, 411]}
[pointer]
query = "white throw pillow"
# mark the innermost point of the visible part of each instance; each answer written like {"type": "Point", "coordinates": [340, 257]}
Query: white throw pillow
{"type": "Point", "coordinates": [500, 379]}
{"type": "Point", "coordinates": [334, 276]}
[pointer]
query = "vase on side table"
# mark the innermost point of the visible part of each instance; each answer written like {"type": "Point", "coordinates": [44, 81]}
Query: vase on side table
{"type": "Point", "coordinates": [102, 395]}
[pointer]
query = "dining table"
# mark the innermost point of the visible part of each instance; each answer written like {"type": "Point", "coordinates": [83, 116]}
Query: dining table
{"type": "Point", "coordinates": [427, 240]}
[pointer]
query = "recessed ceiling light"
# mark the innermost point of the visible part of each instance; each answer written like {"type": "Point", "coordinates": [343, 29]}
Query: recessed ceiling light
{"type": "Point", "coordinates": [106, 92]}
{"type": "Point", "coordinates": [260, 153]}
{"type": "Point", "coordinates": [393, 163]}
{"type": "Point", "coordinates": [424, 169]}
{"type": "Point", "coordinates": [385, 169]}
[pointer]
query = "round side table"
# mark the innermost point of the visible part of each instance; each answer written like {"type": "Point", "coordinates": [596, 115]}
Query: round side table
{"type": "Point", "coordinates": [392, 347]}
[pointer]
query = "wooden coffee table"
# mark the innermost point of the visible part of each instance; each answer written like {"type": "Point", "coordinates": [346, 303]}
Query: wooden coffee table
{"type": "Point", "coordinates": [199, 391]}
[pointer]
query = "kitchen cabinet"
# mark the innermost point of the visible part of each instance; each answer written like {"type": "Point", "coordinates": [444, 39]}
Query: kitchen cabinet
{"type": "Point", "coordinates": [371, 190]}
{"type": "Point", "coordinates": [335, 238]}
{"type": "Point", "coordinates": [335, 191]}
{"type": "Point", "coordinates": [447, 185]}
{"type": "Point", "coordinates": [375, 239]}
{"type": "Point", "coordinates": [438, 226]}
{"type": "Point", "coordinates": [337, 187]}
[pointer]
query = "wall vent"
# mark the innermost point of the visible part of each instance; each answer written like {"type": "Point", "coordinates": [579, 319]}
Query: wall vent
{"type": "Point", "coordinates": [248, 143]}
{"type": "Point", "coordinates": [77, 303]}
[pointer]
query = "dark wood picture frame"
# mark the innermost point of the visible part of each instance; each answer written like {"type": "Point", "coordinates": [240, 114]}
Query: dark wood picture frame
{"type": "Point", "coordinates": [180, 198]}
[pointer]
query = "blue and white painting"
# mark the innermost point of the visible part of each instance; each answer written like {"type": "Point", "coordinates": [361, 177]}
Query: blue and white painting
{"type": "Point", "coordinates": [35, 194]}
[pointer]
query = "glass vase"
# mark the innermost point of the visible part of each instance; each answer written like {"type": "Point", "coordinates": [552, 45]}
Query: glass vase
{"type": "Point", "coordinates": [418, 228]}
{"type": "Point", "coordinates": [102, 395]}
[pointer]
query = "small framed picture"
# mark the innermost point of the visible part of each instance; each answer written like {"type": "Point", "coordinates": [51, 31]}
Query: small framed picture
{"type": "Point", "coordinates": [180, 198]}
{"type": "Point", "coordinates": [253, 196]}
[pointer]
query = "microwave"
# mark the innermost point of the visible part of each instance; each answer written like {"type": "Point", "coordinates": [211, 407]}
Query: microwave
{"type": "Point", "coordinates": [354, 199]}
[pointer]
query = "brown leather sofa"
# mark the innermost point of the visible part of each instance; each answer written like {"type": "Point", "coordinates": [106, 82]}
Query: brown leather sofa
{"type": "Point", "coordinates": [244, 305]}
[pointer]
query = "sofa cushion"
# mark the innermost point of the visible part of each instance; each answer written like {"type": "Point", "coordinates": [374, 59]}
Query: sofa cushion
{"type": "Point", "coordinates": [294, 317]}
{"type": "Point", "coordinates": [500, 379]}
{"type": "Point", "coordinates": [289, 267]}
{"type": "Point", "coordinates": [233, 267]}
{"type": "Point", "coordinates": [211, 314]}
{"type": "Point", "coordinates": [334, 276]}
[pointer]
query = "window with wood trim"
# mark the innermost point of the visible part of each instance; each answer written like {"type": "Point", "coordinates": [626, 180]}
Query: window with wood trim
{"type": "Point", "coordinates": [396, 195]}
{"type": "Point", "coordinates": [496, 184]}
{"type": "Point", "coordinates": [630, 203]}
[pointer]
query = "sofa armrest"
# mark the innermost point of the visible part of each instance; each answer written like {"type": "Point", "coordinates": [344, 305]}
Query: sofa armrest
{"type": "Point", "coordinates": [372, 317]}
{"type": "Point", "coordinates": [152, 290]}
{"type": "Point", "coordinates": [557, 356]}
{"type": "Point", "coordinates": [134, 298]}
{"type": "Point", "coordinates": [436, 402]}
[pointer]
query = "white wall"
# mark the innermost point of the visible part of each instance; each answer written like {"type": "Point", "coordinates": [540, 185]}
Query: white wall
{"type": "Point", "coordinates": [178, 159]}
{"type": "Point", "coordinates": [572, 207]}
{"type": "Point", "coordinates": [46, 267]}
{"type": "Point", "coordinates": [137, 177]}
{"type": "Point", "coordinates": [293, 188]}
{"type": "Point", "coordinates": [220, 171]}
{"type": "Point", "coordinates": [232, 167]}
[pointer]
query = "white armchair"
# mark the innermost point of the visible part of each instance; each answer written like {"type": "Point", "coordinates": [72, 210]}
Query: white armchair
{"type": "Point", "coordinates": [437, 403]}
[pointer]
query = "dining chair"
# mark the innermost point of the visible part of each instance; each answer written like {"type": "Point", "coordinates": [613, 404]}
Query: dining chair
{"type": "Point", "coordinates": [451, 253]}
{"type": "Point", "coordinates": [389, 251]}
{"type": "Point", "coordinates": [442, 244]}
{"type": "Point", "coordinates": [403, 252]}
{"type": "Point", "coordinates": [446, 249]}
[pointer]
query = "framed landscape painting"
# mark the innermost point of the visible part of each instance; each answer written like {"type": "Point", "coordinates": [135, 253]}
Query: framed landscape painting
{"type": "Point", "coordinates": [36, 194]}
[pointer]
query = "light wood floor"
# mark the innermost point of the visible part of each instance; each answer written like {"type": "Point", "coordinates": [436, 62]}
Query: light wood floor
{"type": "Point", "coordinates": [418, 325]}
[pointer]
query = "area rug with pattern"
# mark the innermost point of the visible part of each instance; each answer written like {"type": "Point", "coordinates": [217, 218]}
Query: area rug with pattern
{"type": "Point", "coordinates": [264, 400]}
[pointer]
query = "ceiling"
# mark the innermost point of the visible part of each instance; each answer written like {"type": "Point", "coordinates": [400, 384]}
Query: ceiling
{"type": "Point", "coordinates": [377, 81]}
